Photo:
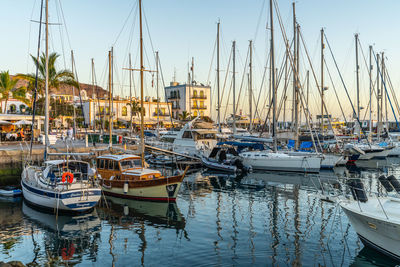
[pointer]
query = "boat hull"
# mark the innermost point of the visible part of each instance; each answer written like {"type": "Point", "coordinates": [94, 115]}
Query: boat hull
{"type": "Point", "coordinates": [289, 163]}
{"type": "Point", "coordinates": [381, 235]}
{"type": "Point", "coordinates": [67, 201]}
{"type": "Point", "coordinates": [165, 189]}
{"type": "Point", "coordinates": [218, 166]}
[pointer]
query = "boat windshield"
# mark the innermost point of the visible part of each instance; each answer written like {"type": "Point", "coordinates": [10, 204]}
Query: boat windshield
{"type": "Point", "coordinates": [130, 163]}
{"type": "Point", "coordinates": [205, 136]}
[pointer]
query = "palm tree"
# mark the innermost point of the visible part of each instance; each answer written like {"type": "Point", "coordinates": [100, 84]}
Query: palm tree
{"type": "Point", "coordinates": [184, 116]}
{"type": "Point", "coordinates": [56, 78]}
{"type": "Point", "coordinates": [6, 86]}
{"type": "Point", "coordinates": [135, 108]}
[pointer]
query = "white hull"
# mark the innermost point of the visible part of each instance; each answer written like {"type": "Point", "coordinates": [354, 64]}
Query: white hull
{"type": "Point", "coordinates": [394, 152]}
{"type": "Point", "coordinates": [371, 155]}
{"type": "Point", "coordinates": [372, 226]}
{"type": "Point", "coordinates": [281, 162]}
{"type": "Point", "coordinates": [218, 166]}
{"type": "Point", "coordinates": [329, 161]}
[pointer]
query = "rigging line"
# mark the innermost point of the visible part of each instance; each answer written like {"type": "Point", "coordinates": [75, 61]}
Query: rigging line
{"type": "Point", "coordinates": [243, 78]}
{"type": "Point", "coordinates": [60, 31]}
{"type": "Point", "coordinates": [334, 89]}
{"type": "Point", "coordinates": [227, 100]}
{"type": "Point", "coordinates": [36, 79]}
{"type": "Point", "coordinates": [28, 59]}
{"type": "Point", "coordinates": [165, 94]}
{"type": "Point", "coordinates": [344, 85]}
{"type": "Point", "coordinates": [212, 61]}
{"type": "Point", "coordinates": [226, 77]}
{"type": "Point", "coordinates": [123, 26]}
{"type": "Point", "coordinates": [98, 99]}
{"type": "Point", "coordinates": [392, 89]}
{"type": "Point", "coordinates": [148, 33]}
{"type": "Point", "coordinates": [384, 84]}
{"type": "Point", "coordinates": [65, 25]}
{"type": "Point", "coordinates": [259, 20]}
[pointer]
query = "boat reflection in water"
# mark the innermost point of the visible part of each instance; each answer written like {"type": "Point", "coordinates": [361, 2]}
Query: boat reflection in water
{"type": "Point", "coordinates": [369, 257]}
{"type": "Point", "coordinates": [126, 211]}
{"type": "Point", "coordinates": [67, 239]}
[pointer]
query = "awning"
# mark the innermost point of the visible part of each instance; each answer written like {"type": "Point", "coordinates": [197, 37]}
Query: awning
{"type": "Point", "coordinates": [23, 122]}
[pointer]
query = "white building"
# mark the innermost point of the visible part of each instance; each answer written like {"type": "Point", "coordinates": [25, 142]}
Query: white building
{"type": "Point", "coordinates": [194, 99]}
{"type": "Point", "coordinates": [97, 109]}
{"type": "Point", "coordinates": [14, 106]}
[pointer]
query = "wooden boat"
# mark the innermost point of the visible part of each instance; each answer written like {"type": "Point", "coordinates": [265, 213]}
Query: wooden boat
{"type": "Point", "coordinates": [123, 176]}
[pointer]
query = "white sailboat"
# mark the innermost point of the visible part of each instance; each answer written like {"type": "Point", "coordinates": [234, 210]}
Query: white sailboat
{"type": "Point", "coordinates": [60, 185]}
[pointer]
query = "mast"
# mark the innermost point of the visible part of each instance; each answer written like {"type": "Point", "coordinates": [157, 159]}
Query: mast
{"type": "Point", "coordinates": [370, 91]}
{"type": "Point", "coordinates": [273, 76]}
{"type": "Point", "coordinates": [94, 102]}
{"type": "Point", "coordinates": [110, 117]}
{"type": "Point", "coordinates": [234, 85]}
{"type": "Point", "coordinates": [218, 104]}
{"type": "Point", "coordinates": [322, 80]}
{"type": "Point", "coordinates": [378, 96]}
{"type": "Point", "coordinates": [383, 91]}
{"type": "Point", "coordinates": [158, 99]}
{"type": "Point", "coordinates": [297, 78]}
{"type": "Point", "coordinates": [46, 118]}
{"type": "Point", "coordinates": [73, 95]}
{"type": "Point", "coordinates": [130, 91]}
{"type": "Point", "coordinates": [250, 85]}
{"type": "Point", "coordinates": [357, 79]}
{"type": "Point", "coordinates": [141, 87]}
{"type": "Point", "coordinates": [294, 64]}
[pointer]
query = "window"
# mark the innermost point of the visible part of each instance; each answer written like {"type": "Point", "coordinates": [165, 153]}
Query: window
{"type": "Point", "coordinates": [101, 109]}
{"type": "Point", "coordinates": [202, 94]}
{"type": "Point", "coordinates": [110, 165]}
{"type": "Point", "coordinates": [130, 163]}
{"type": "Point", "coordinates": [202, 104]}
{"type": "Point", "coordinates": [195, 104]}
{"type": "Point", "coordinates": [124, 111]}
{"type": "Point", "coordinates": [187, 135]}
{"type": "Point", "coordinates": [202, 113]}
{"type": "Point", "coordinates": [194, 93]}
{"type": "Point", "coordinates": [195, 113]}
{"type": "Point", "coordinates": [116, 167]}
{"type": "Point", "coordinates": [105, 166]}
{"type": "Point", "coordinates": [101, 165]}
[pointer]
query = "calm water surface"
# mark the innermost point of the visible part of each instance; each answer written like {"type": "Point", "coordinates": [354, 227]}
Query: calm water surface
{"type": "Point", "coordinates": [263, 219]}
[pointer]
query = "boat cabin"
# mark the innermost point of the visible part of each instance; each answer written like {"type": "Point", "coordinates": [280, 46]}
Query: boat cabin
{"type": "Point", "coordinates": [55, 169]}
{"type": "Point", "coordinates": [123, 167]}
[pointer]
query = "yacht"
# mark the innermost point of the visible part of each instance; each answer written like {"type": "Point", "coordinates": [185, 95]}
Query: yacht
{"type": "Point", "coordinates": [374, 217]}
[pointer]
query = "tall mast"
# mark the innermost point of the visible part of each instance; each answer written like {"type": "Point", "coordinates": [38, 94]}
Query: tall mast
{"type": "Point", "coordinates": [110, 117]}
{"type": "Point", "coordinates": [357, 79]}
{"type": "Point", "coordinates": [378, 106]}
{"type": "Point", "coordinates": [218, 100]}
{"type": "Point", "coordinates": [370, 91]}
{"type": "Point", "coordinates": [297, 77]}
{"type": "Point", "coordinates": [273, 76]}
{"type": "Point", "coordinates": [94, 102]}
{"type": "Point", "coordinates": [294, 64]}
{"type": "Point", "coordinates": [322, 80]}
{"type": "Point", "coordinates": [234, 84]}
{"type": "Point", "coordinates": [46, 118]}
{"type": "Point", "coordinates": [218, 104]}
{"type": "Point", "coordinates": [383, 91]}
{"type": "Point", "coordinates": [130, 91]}
{"type": "Point", "coordinates": [73, 94]}
{"type": "Point", "coordinates": [250, 85]}
{"type": "Point", "coordinates": [158, 99]}
{"type": "Point", "coordinates": [141, 87]}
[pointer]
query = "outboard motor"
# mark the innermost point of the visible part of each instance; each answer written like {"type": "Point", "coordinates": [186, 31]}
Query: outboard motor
{"type": "Point", "coordinates": [357, 190]}
{"type": "Point", "coordinates": [394, 182]}
{"type": "Point", "coordinates": [385, 182]}
{"type": "Point", "coordinates": [239, 164]}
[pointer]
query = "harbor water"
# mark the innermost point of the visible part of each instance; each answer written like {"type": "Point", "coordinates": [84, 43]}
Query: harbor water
{"type": "Point", "coordinates": [261, 219]}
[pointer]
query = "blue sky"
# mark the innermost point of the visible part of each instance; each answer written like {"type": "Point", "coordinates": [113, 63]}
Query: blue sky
{"type": "Point", "coordinates": [180, 29]}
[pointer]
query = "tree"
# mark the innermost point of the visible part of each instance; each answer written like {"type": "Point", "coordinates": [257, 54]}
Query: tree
{"type": "Point", "coordinates": [184, 116]}
{"type": "Point", "coordinates": [56, 78]}
{"type": "Point", "coordinates": [6, 86]}
{"type": "Point", "coordinates": [135, 108]}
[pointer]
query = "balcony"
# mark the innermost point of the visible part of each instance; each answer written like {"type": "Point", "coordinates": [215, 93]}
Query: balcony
{"type": "Point", "coordinates": [199, 107]}
{"type": "Point", "coordinates": [161, 114]}
{"type": "Point", "coordinates": [176, 97]}
{"type": "Point", "coordinates": [199, 97]}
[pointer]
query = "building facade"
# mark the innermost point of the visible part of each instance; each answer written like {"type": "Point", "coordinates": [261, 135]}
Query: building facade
{"type": "Point", "coordinates": [154, 111]}
{"type": "Point", "coordinates": [193, 98]}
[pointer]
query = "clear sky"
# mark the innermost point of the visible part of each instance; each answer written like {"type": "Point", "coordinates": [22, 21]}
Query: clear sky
{"type": "Point", "coordinates": [181, 29]}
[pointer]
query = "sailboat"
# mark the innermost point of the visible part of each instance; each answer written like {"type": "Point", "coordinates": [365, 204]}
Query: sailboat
{"type": "Point", "coordinates": [127, 176]}
{"type": "Point", "coordinates": [60, 185]}
{"type": "Point", "coordinates": [273, 160]}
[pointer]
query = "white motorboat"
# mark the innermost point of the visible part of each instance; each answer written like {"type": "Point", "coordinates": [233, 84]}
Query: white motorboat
{"type": "Point", "coordinates": [274, 161]}
{"type": "Point", "coordinates": [375, 218]}
{"type": "Point", "coordinates": [370, 151]}
{"type": "Point", "coordinates": [64, 185]}
{"type": "Point", "coordinates": [195, 137]}
{"type": "Point", "coordinates": [224, 158]}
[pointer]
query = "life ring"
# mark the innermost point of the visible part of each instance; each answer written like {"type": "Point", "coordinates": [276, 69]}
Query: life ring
{"type": "Point", "coordinates": [67, 176]}
{"type": "Point", "coordinates": [67, 255]}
